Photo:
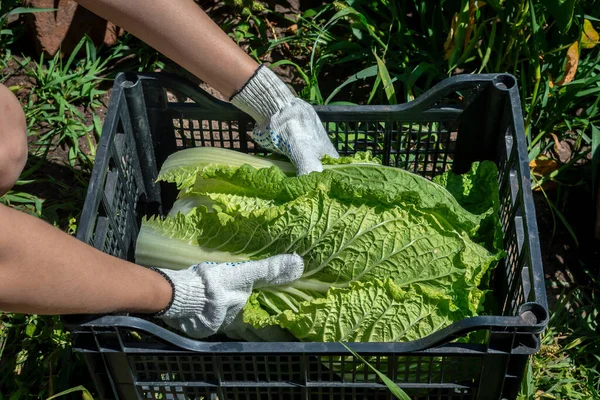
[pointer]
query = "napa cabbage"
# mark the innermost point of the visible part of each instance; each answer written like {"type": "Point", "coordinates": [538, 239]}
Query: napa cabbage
{"type": "Point", "coordinates": [389, 255]}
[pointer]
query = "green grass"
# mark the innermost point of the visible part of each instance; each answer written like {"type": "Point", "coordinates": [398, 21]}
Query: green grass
{"type": "Point", "coordinates": [568, 364]}
{"type": "Point", "coordinates": [55, 106]}
{"type": "Point", "coordinates": [342, 52]}
{"type": "Point", "coordinates": [36, 358]}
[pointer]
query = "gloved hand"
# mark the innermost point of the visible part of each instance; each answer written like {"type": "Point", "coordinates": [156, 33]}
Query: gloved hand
{"type": "Point", "coordinates": [284, 123]}
{"type": "Point", "coordinates": [208, 297]}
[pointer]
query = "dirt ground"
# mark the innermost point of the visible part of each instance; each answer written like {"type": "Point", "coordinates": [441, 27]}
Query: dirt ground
{"type": "Point", "coordinates": [564, 261]}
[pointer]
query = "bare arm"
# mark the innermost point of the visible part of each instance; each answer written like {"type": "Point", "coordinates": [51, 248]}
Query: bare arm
{"type": "Point", "coordinates": [183, 32]}
{"type": "Point", "coordinates": [45, 271]}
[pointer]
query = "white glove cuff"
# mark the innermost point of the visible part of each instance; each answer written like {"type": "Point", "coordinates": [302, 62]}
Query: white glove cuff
{"type": "Point", "coordinates": [263, 95]}
{"type": "Point", "coordinates": [189, 296]}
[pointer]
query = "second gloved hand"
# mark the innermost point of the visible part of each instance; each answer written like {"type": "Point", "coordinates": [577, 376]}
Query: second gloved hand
{"type": "Point", "coordinates": [284, 123]}
{"type": "Point", "coordinates": [208, 297]}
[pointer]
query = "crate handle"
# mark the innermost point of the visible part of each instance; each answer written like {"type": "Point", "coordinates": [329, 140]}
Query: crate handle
{"type": "Point", "coordinates": [534, 314]}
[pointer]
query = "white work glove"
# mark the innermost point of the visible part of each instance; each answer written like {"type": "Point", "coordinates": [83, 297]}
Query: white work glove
{"type": "Point", "coordinates": [284, 123]}
{"type": "Point", "coordinates": [208, 298]}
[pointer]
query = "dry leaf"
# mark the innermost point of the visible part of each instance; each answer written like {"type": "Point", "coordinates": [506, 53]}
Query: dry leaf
{"type": "Point", "coordinates": [543, 167]}
{"type": "Point", "coordinates": [556, 141]}
{"type": "Point", "coordinates": [570, 65]}
{"type": "Point", "coordinates": [472, 9]}
{"type": "Point", "coordinates": [589, 36]}
{"type": "Point", "coordinates": [449, 44]}
{"type": "Point", "coordinates": [272, 28]}
{"type": "Point", "coordinates": [550, 80]}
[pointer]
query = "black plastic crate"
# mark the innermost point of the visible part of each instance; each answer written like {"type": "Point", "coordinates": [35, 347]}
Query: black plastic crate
{"type": "Point", "coordinates": [461, 120]}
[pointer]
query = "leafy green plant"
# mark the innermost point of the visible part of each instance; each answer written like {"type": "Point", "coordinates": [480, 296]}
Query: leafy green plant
{"type": "Point", "coordinates": [251, 23]}
{"type": "Point", "coordinates": [533, 39]}
{"type": "Point", "coordinates": [36, 357]}
{"type": "Point", "coordinates": [372, 40]}
{"type": "Point", "coordinates": [56, 104]}
{"type": "Point", "coordinates": [384, 41]}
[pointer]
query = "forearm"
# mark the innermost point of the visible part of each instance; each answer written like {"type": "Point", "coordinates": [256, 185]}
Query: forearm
{"type": "Point", "coordinates": [184, 33]}
{"type": "Point", "coordinates": [45, 271]}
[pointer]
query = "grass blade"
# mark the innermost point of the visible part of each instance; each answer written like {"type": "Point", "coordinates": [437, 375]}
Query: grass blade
{"type": "Point", "coordinates": [86, 394]}
{"type": "Point", "coordinates": [488, 50]}
{"type": "Point", "coordinates": [563, 11]}
{"type": "Point", "coordinates": [27, 10]}
{"type": "Point", "coordinates": [416, 73]}
{"type": "Point", "coordinates": [90, 52]}
{"type": "Point", "coordinates": [374, 89]}
{"type": "Point", "coordinates": [293, 64]}
{"type": "Point", "coordinates": [365, 73]}
{"type": "Point", "coordinates": [560, 216]}
{"type": "Point", "coordinates": [60, 79]}
{"type": "Point", "coordinates": [595, 156]}
{"type": "Point", "coordinates": [527, 386]}
{"type": "Point", "coordinates": [387, 81]}
{"type": "Point", "coordinates": [74, 53]}
{"type": "Point", "coordinates": [395, 389]}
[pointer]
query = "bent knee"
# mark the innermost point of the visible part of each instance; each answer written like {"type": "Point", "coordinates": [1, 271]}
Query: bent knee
{"type": "Point", "coordinates": [11, 166]}
{"type": "Point", "coordinates": [13, 139]}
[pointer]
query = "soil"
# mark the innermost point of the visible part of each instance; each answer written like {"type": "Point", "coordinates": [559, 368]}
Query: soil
{"type": "Point", "coordinates": [558, 252]}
